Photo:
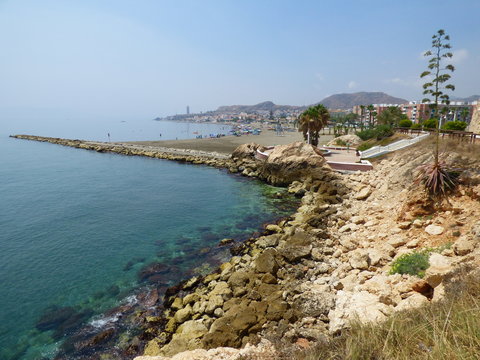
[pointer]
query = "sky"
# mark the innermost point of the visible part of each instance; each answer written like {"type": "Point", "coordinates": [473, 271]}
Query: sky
{"type": "Point", "coordinates": [142, 59]}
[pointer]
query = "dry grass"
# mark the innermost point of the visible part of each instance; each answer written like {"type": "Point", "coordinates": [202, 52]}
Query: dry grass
{"type": "Point", "coordinates": [446, 330]}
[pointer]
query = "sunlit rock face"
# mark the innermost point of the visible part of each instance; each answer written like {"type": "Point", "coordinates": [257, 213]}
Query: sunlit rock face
{"type": "Point", "coordinates": [475, 122]}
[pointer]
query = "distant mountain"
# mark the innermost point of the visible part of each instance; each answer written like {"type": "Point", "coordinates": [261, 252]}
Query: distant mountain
{"type": "Point", "coordinates": [467, 99]}
{"type": "Point", "coordinates": [263, 106]}
{"type": "Point", "coordinates": [348, 101]}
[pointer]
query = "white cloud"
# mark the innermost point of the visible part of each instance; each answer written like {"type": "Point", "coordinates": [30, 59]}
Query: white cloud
{"type": "Point", "coordinates": [396, 81]}
{"type": "Point", "coordinates": [459, 56]}
{"type": "Point", "coordinates": [352, 84]}
{"type": "Point", "coordinates": [319, 77]}
{"type": "Point", "coordinates": [422, 56]}
{"type": "Point", "coordinates": [409, 82]}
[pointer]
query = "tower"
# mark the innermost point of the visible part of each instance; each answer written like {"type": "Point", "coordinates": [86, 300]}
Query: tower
{"type": "Point", "coordinates": [188, 110]}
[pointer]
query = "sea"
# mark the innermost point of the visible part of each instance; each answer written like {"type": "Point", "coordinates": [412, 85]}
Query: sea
{"type": "Point", "coordinates": [79, 227]}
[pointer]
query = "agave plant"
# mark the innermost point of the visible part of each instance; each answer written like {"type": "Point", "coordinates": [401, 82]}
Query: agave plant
{"type": "Point", "coordinates": [437, 178]}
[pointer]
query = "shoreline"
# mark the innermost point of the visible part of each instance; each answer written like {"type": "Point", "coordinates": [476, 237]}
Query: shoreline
{"type": "Point", "coordinates": [308, 276]}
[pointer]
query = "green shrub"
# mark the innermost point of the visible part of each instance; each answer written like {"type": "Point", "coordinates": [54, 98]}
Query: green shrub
{"type": "Point", "coordinates": [414, 263]}
{"type": "Point", "coordinates": [340, 142]}
{"type": "Point", "coordinates": [405, 123]}
{"type": "Point", "coordinates": [455, 125]}
{"type": "Point", "coordinates": [416, 126]}
{"type": "Point", "coordinates": [430, 123]}
{"type": "Point", "coordinates": [383, 131]}
{"type": "Point", "coordinates": [379, 132]}
{"type": "Point", "coordinates": [366, 134]}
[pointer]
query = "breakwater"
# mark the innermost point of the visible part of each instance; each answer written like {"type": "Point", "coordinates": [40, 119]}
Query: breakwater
{"type": "Point", "coordinates": [180, 155]}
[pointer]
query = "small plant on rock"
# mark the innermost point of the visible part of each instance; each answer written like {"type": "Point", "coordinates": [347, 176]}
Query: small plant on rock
{"type": "Point", "coordinates": [414, 263]}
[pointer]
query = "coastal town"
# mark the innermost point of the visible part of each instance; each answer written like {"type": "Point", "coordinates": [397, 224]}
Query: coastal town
{"type": "Point", "coordinates": [267, 113]}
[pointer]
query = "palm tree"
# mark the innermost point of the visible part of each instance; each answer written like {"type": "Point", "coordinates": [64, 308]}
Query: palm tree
{"type": "Point", "coordinates": [371, 110]}
{"type": "Point", "coordinates": [311, 121]}
{"type": "Point", "coordinates": [465, 114]}
{"type": "Point", "coordinates": [362, 114]}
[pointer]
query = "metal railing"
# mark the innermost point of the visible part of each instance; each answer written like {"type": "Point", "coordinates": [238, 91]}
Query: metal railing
{"type": "Point", "coordinates": [380, 150]}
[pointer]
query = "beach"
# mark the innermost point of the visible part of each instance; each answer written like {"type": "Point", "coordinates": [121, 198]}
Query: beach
{"type": "Point", "coordinates": [227, 144]}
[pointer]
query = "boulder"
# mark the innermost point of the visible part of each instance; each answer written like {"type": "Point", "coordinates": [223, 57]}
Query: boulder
{"type": "Point", "coordinates": [463, 246]}
{"type": "Point", "coordinates": [187, 337]}
{"type": "Point", "coordinates": [314, 303]}
{"type": "Point", "coordinates": [397, 241]}
{"type": "Point", "coordinates": [266, 262]}
{"type": "Point", "coordinates": [439, 267]}
{"type": "Point", "coordinates": [434, 229]}
{"type": "Point", "coordinates": [295, 161]}
{"type": "Point", "coordinates": [183, 314]}
{"type": "Point", "coordinates": [359, 260]}
{"type": "Point", "coordinates": [361, 306]}
{"type": "Point", "coordinates": [247, 151]}
{"type": "Point", "coordinates": [350, 140]}
{"type": "Point", "coordinates": [414, 301]}
{"type": "Point", "coordinates": [364, 193]}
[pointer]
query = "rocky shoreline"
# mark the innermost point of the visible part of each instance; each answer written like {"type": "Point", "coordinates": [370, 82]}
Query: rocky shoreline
{"type": "Point", "coordinates": [325, 267]}
{"type": "Point", "coordinates": [307, 277]}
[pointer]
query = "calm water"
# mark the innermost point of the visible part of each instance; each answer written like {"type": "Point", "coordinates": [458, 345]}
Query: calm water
{"type": "Point", "coordinates": [77, 226]}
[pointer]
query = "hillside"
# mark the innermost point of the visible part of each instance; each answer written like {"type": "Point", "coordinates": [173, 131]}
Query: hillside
{"type": "Point", "coordinates": [467, 99]}
{"type": "Point", "coordinates": [263, 106]}
{"type": "Point", "coordinates": [337, 101]}
{"type": "Point", "coordinates": [347, 101]}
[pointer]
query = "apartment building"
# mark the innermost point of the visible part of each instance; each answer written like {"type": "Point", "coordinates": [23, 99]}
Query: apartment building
{"type": "Point", "coordinates": [418, 111]}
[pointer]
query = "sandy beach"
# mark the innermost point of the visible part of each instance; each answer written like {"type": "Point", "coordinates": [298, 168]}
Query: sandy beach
{"type": "Point", "coordinates": [227, 144]}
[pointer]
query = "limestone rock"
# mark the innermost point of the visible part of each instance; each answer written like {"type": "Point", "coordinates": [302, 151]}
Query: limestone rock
{"type": "Point", "coordinates": [397, 241]}
{"type": "Point", "coordinates": [361, 305]}
{"type": "Point", "coordinates": [266, 262]}
{"type": "Point", "coordinates": [313, 303]}
{"type": "Point", "coordinates": [183, 314]}
{"type": "Point", "coordinates": [434, 229]}
{"type": "Point", "coordinates": [187, 337]}
{"type": "Point", "coordinates": [359, 260]}
{"type": "Point", "coordinates": [273, 228]}
{"type": "Point", "coordinates": [418, 223]}
{"type": "Point", "coordinates": [475, 121]}
{"type": "Point", "coordinates": [463, 246]}
{"type": "Point", "coordinates": [264, 350]}
{"type": "Point", "coordinates": [357, 220]}
{"type": "Point", "coordinates": [414, 301]}
{"type": "Point", "coordinates": [287, 163]}
{"type": "Point", "coordinates": [351, 140]}
{"type": "Point", "coordinates": [246, 151]}
{"type": "Point", "coordinates": [404, 225]}
{"type": "Point", "coordinates": [364, 193]}
{"type": "Point", "coordinates": [439, 267]}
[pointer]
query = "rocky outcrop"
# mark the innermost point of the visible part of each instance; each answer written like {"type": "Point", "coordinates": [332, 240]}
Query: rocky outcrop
{"type": "Point", "coordinates": [344, 140]}
{"type": "Point", "coordinates": [475, 121]}
{"type": "Point", "coordinates": [296, 161]}
{"type": "Point", "coordinates": [264, 350]}
{"type": "Point", "coordinates": [284, 165]}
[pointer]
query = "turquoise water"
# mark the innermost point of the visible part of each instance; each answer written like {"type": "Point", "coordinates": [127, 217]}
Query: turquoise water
{"type": "Point", "coordinates": [77, 227]}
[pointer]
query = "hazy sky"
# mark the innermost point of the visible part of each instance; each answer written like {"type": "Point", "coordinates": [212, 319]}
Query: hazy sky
{"type": "Point", "coordinates": [144, 58]}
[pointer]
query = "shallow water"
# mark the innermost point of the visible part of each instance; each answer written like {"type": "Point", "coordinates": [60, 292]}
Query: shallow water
{"type": "Point", "coordinates": [78, 226]}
